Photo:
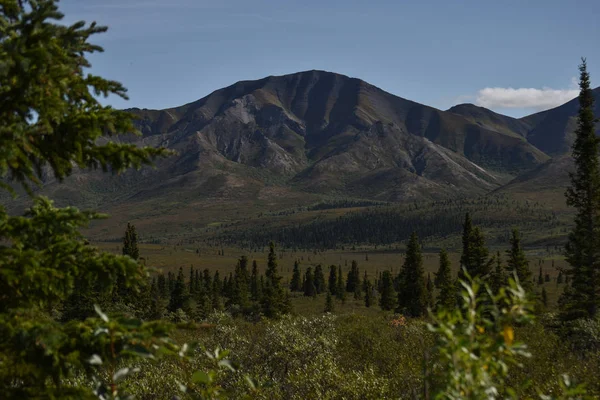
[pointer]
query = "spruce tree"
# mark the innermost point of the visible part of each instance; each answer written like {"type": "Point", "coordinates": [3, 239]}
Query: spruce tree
{"type": "Point", "coordinates": [329, 304]}
{"type": "Point", "coordinates": [341, 287]}
{"type": "Point", "coordinates": [559, 278]}
{"type": "Point", "coordinates": [465, 258]}
{"type": "Point", "coordinates": [544, 297]}
{"type": "Point", "coordinates": [540, 279]}
{"type": "Point", "coordinates": [353, 279]}
{"type": "Point", "coordinates": [517, 262]}
{"type": "Point", "coordinates": [333, 283]}
{"type": "Point", "coordinates": [296, 283]}
{"type": "Point", "coordinates": [498, 278]}
{"type": "Point", "coordinates": [474, 257]}
{"type": "Point", "coordinates": [443, 282]}
{"type": "Point", "coordinates": [275, 300]}
{"type": "Point", "coordinates": [130, 246]}
{"type": "Point", "coordinates": [412, 294]}
{"type": "Point", "coordinates": [180, 294]}
{"type": "Point", "coordinates": [582, 249]}
{"type": "Point", "coordinates": [241, 284]}
{"type": "Point", "coordinates": [430, 292]}
{"type": "Point", "coordinates": [255, 291]}
{"type": "Point", "coordinates": [319, 279]}
{"type": "Point", "coordinates": [387, 297]}
{"type": "Point", "coordinates": [309, 283]}
{"type": "Point", "coordinates": [368, 292]}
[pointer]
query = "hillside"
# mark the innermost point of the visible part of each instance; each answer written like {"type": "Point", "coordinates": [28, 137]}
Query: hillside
{"type": "Point", "coordinates": [291, 141]}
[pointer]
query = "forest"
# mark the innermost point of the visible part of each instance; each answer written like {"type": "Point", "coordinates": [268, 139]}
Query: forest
{"type": "Point", "coordinates": [80, 322]}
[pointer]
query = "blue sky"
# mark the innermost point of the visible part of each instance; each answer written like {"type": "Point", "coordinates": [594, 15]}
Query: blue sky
{"type": "Point", "coordinates": [440, 53]}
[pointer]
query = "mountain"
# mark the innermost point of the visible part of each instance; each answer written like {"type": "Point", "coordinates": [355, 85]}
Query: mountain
{"type": "Point", "coordinates": [287, 141]}
{"type": "Point", "coordinates": [553, 130]}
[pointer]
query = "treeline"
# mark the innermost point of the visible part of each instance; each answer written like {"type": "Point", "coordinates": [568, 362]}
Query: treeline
{"type": "Point", "coordinates": [384, 226]}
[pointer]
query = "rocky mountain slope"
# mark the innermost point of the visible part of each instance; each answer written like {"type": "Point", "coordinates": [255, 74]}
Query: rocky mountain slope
{"type": "Point", "coordinates": [290, 140]}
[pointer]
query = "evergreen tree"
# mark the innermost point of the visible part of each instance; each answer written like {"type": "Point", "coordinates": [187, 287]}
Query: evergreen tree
{"type": "Point", "coordinates": [430, 292]}
{"type": "Point", "coordinates": [329, 305]}
{"type": "Point", "coordinates": [498, 278]}
{"type": "Point", "coordinates": [582, 249]}
{"type": "Point", "coordinates": [559, 278]}
{"type": "Point", "coordinates": [412, 296]}
{"type": "Point", "coordinates": [517, 262]}
{"type": "Point", "coordinates": [443, 282]}
{"type": "Point", "coordinates": [296, 283]}
{"type": "Point", "coordinates": [192, 282]}
{"type": "Point", "coordinates": [353, 279]}
{"type": "Point", "coordinates": [206, 281]}
{"type": "Point", "coordinates": [368, 292]}
{"type": "Point", "coordinates": [387, 297]}
{"type": "Point", "coordinates": [465, 258]}
{"type": "Point", "coordinates": [540, 279]}
{"type": "Point", "coordinates": [180, 294]}
{"type": "Point", "coordinates": [241, 283]}
{"type": "Point", "coordinates": [275, 300]}
{"type": "Point", "coordinates": [163, 288]}
{"type": "Point", "coordinates": [341, 287]}
{"type": "Point", "coordinates": [319, 279]}
{"type": "Point", "coordinates": [255, 289]}
{"type": "Point", "coordinates": [130, 246]}
{"type": "Point", "coordinates": [544, 297]}
{"type": "Point", "coordinates": [546, 277]}
{"type": "Point", "coordinates": [333, 280]}
{"type": "Point", "coordinates": [309, 283]}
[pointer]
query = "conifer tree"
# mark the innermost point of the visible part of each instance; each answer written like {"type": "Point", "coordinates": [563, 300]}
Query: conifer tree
{"type": "Point", "coordinates": [341, 287]}
{"type": "Point", "coordinates": [319, 279]}
{"type": "Point", "coordinates": [255, 289]}
{"type": "Point", "coordinates": [296, 283]}
{"type": "Point", "coordinates": [180, 294]}
{"type": "Point", "coordinates": [207, 280]}
{"type": "Point", "coordinates": [333, 280]}
{"type": "Point", "coordinates": [387, 297]}
{"type": "Point", "coordinates": [192, 282]}
{"type": "Point", "coordinates": [353, 279]}
{"type": "Point", "coordinates": [559, 278]}
{"type": "Point", "coordinates": [517, 262]}
{"type": "Point", "coordinates": [309, 283]}
{"type": "Point", "coordinates": [241, 284]}
{"type": "Point", "coordinates": [465, 258]}
{"type": "Point", "coordinates": [329, 305]}
{"type": "Point", "coordinates": [540, 279]}
{"type": "Point", "coordinates": [275, 300]}
{"type": "Point", "coordinates": [412, 294]}
{"type": "Point", "coordinates": [368, 292]}
{"type": "Point", "coordinates": [582, 249]}
{"type": "Point", "coordinates": [544, 297]}
{"type": "Point", "coordinates": [430, 292]}
{"type": "Point", "coordinates": [474, 257]}
{"type": "Point", "coordinates": [498, 278]}
{"type": "Point", "coordinates": [130, 246]}
{"type": "Point", "coordinates": [443, 282]}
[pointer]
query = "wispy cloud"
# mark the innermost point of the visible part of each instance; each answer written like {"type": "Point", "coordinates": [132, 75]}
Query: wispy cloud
{"type": "Point", "coordinates": [531, 98]}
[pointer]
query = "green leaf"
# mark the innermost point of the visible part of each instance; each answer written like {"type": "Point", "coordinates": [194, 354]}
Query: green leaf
{"type": "Point", "coordinates": [200, 377]}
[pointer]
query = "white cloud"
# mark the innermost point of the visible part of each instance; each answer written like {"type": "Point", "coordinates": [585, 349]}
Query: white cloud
{"type": "Point", "coordinates": [531, 98]}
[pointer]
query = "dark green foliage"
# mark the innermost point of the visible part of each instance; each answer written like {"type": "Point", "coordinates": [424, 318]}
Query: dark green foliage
{"type": "Point", "coordinates": [430, 292]}
{"type": "Point", "coordinates": [412, 293]}
{"type": "Point", "coordinates": [368, 289]}
{"type": "Point", "coordinates": [584, 195]}
{"type": "Point", "coordinates": [329, 304]}
{"type": "Point", "coordinates": [544, 297]}
{"type": "Point", "coordinates": [48, 113]}
{"type": "Point", "coordinates": [474, 257]}
{"type": "Point", "coordinates": [559, 278]}
{"type": "Point", "coordinates": [241, 282]}
{"type": "Point", "coordinates": [353, 280]}
{"type": "Point", "coordinates": [130, 247]}
{"type": "Point", "coordinates": [255, 288]}
{"type": "Point", "coordinates": [180, 295]}
{"type": "Point", "coordinates": [465, 257]}
{"type": "Point", "coordinates": [319, 279]}
{"type": "Point", "coordinates": [309, 283]}
{"type": "Point", "coordinates": [340, 290]}
{"type": "Point", "coordinates": [498, 278]}
{"type": "Point", "coordinates": [540, 279]}
{"type": "Point", "coordinates": [443, 282]}
{"type": "Point", "coordinates": [296, 282]}
{"type": "Point", "coordinates": [387, 296]}
{"type": "Point", "coordinates": [517, 262]}
{"type": "Point", "coordinates": [275, 301]}
{"type": "Point", "coordinates": [333, 280]}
